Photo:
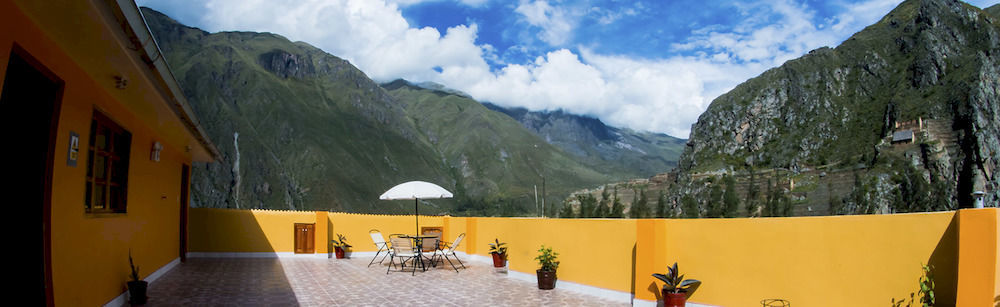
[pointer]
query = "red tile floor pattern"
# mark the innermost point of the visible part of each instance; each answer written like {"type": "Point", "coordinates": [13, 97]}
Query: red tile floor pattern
{"type": "Point", "coordinates": [348, 282]}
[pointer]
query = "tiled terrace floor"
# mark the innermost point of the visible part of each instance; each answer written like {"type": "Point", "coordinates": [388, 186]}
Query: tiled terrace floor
{"type": "Point", "coordinates": [348, 282]}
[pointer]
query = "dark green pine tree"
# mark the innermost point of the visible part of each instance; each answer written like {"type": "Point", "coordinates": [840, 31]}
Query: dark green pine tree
{"type": "Point", "coordinates": [769, 202]}
{"type": "Point", "coordinates": [587, 203]}
{"type": "Point", "coordinates": [731, 201]}
{"type": "Point", "coordinates": [714, 206]}
{"type": "Point", "coordinates": [661, 205]}
{"type": "Point", "coordinates": [640, 209]}
{"type": "Point", "coordinates": [753, 194]}
{"type": "Point", "coordinates": [689, 206]}
{"type": "Point", "coordinates": [603, 206]}
{"type": "Point", "coordinates": [617, 209]}
{"type": "Point", "coordinates": [786, 205]}
{"type": "Point", "coordinates": [567, 211]}
{"type": "Point", "coordinates": [631, 207]}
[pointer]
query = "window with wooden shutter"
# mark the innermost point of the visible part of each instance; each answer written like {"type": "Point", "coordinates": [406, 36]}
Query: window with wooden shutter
{"type": "Point", "coordinates": [107, 166]}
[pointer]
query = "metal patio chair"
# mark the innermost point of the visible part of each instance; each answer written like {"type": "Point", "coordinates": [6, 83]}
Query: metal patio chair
{"type": "Point", "coordinates": [380, 244]}
{"type": "Point", "coordinates": [450, 249]}
{"type": "Point", "coordinates": [402, 248]}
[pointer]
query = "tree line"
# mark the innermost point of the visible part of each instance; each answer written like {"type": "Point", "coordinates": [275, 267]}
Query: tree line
{"type": "Point", "coordinates": [719, 200]}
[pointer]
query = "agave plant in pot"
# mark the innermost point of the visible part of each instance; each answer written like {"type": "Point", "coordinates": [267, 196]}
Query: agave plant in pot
{"type": "Point", "coordinates": [675, 287]}
{"type": "Point", "coordinates": [136, 287]}
{"type": "Point", "coordinates": [547, 268]}
{"type": "Point", "coordinates": [499, 252]}
{"type": "Point", "coordinates": [340, 245]}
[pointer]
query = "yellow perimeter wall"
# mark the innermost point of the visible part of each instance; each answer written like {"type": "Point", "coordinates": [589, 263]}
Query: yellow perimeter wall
{"type": "Point", "coordinates": [242, 231]}
{"type": "Point", "coordinates": [810, 261]}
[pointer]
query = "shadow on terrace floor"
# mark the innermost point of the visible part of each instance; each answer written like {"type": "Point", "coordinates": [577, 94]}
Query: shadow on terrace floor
{"type": "Point", "coordinates": [348, 282]}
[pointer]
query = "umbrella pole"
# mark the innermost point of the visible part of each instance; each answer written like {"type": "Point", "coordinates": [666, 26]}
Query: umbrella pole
{"type": "Point", "coordinates": [417, 210]}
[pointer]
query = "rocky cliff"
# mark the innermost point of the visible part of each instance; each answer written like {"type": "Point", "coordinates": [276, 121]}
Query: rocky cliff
{"type": "Point", "coordinates": [903, 116]}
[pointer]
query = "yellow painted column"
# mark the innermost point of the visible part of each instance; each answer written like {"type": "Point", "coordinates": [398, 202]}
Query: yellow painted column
{"type": "Point", "coordinates": [322, 232]}
{"type": "Point", "coordinates": [977, 257]}
{"type": "Point", "coordinates": [470, 236]}
{"type": "Point", "coordinates": [445, 228]}
{"type": "Point", "coordinates": [645, 259]}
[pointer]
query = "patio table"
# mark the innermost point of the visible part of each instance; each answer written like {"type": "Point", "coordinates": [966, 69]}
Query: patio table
{"type": "Point", "coordinates": [418, 245]}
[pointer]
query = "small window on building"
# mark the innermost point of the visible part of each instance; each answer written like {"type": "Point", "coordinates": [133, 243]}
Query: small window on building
{"type": "Point", "coordinates": [107, 166]}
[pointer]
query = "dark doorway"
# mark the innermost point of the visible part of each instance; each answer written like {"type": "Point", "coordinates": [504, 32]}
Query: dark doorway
{"type": "Point", "coordinates": [29, 105]}
{"type": "Point", "coordinates": [185, 185]}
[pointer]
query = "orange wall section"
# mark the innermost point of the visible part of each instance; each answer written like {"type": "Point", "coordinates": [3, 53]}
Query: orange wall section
{"type": "Point", "coordinates": [977, 263]}
{"type": "Point", "coordinates": [90, 253]}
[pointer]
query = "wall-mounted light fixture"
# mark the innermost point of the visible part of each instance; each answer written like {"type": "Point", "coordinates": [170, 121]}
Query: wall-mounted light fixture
{"type": "Point", "coordinates": [121, 82]}
{"type": "Point", "coordinates": [155, 153]}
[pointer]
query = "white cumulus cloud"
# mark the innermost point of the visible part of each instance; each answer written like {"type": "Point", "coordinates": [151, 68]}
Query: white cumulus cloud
{"type": "Point", "coordinates": [663, 94]}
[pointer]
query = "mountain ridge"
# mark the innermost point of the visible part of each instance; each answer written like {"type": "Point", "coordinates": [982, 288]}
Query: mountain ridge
{"type": "Point", "coordinates": [835, 111]}
{"type": "Point", "coordinates": [302, 129]}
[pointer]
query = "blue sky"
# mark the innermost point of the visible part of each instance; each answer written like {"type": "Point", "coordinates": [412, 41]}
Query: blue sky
{"type": "Point", "coordinates": [645, 65]}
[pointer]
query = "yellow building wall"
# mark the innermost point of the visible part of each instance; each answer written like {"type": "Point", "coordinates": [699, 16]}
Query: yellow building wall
{"type": "Point", "coordinates": [810, 261]}
{"type": "Point", "coordinates": [89, 252]}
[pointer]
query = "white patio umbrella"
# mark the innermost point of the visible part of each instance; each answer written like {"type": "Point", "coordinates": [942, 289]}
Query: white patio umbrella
{"type": "Point", "coordinates": [416, 190]}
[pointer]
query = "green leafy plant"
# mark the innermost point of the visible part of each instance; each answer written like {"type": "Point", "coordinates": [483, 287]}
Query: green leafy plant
{"type": "Point", "coordinates": [927, 287]}
{"type": "Point", "coordinates": [135, 268]}
{"type": "Point", "coordinates": [341, 243]}
{"type": "Point", "coordinates": [498, 247]}
{"type": "Point", "coordinates": [926, 291]}
{"type": "Point", "coordinates": [674, 282]}
{"type": "Point", "coordinates": [547, 259]}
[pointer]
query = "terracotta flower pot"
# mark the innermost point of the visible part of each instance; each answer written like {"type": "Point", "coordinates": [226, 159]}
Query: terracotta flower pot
{"type": "Point", "coordinates": [499, 260]}
{"type": "Point", "coordinates": [546, 279]}
{"type": "Point", "coordinates": [339, 252]}
{"type": "Point", "coordinates": [674, 299]}
{"type": "Point", "coordinates": [137, 292]}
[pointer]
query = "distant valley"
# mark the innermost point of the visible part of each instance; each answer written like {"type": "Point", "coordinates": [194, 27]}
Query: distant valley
{"type": "Point", "coordinates": [302, 129]}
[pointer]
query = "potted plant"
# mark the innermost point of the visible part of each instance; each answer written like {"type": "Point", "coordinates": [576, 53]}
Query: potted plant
{"type": "Point", "coordinates": [136, 287]}
{"type": "Point", "coordinates": [499, 252]}
{"type": "Point", "coordinates": [339, 246]}
{"type": "Point", "coordinates": [675, 287]}
{"type": "Point", "coordinates": [547, 270]}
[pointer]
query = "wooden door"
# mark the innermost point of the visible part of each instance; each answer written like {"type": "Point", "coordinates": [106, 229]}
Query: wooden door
{"type": "Point", "coordinates": [30, 103]}
{"type": "Point", "coordinates": [305, 238]}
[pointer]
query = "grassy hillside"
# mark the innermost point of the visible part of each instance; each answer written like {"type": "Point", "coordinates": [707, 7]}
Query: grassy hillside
{"type": "Point", "coordinates": [489, 152]}
{"type": "Point", "coordinates": [298, 128]}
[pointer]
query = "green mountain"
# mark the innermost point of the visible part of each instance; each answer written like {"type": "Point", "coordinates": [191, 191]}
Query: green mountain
{"type": "Point", "coordinates": [490, 153]}
{"type": "Point", "coordinates": [622, 151]}
{"type": "Point", "coordinates": [993, 10]}
{"type": "Point", "coordinates": [901, 117]}
{"type": "Point", "coordinates": [301, 129]}
{"type": "Point", "coordinates": [297, 128]}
